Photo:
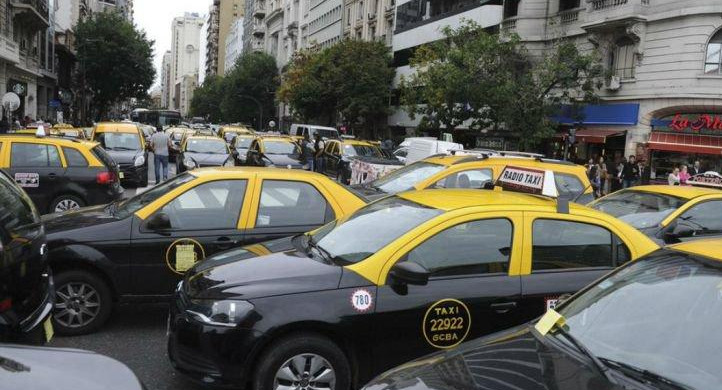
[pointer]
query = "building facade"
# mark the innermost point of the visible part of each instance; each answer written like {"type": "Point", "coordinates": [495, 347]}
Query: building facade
{"type": "Point", "coordinates": [221, 19]}
{"type": "Point", "coordinates": [234, 44]}
{"type": "Point", "coordinates": [165, 82]}
{"type": "Point", "coordinates": [184, 60]}
{"type": "Point", "coordinates": [124, 7]}
{"type": "Point", "coordinates": [212, 32]}
{"type": "Point", "coordinates": [369, 20]}
{"type": "Point", "coordinates": [661, 101]}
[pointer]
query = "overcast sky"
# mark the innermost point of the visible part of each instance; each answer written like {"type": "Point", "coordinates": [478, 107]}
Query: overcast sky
{"type": "Point", "coordinates": [156, 16]}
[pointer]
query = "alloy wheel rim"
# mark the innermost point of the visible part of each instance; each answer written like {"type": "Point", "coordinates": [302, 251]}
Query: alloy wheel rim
{"type": "Point", "coordinates": [78, 306]}
{"type": "Point", "coordinates": [65, 205]}
{"type": "Point", "coordinates": [306, 371]}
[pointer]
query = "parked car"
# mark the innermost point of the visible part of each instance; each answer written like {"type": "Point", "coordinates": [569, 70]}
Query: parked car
{"type": "Point", "coordinates": [228, 132]}
{"type": "Point", "coordinates": [60, 174]}
{"type": "Point", "coordinates": [43, 368]}
{"type": "Point", "coordinates": [26, 284]}
{"type": "Point", "coordinates": [338, 155]}
{"type": "Point", "coordinates": [125, 143]}
{"type": "Point", "coordinates": [176, 136]}
{"type": "Point", "coordinates": [275, 151]}
{"type": "Point", "coordinates": [240, 146]}
{"type": "Point", "coordinates": [198, 151]}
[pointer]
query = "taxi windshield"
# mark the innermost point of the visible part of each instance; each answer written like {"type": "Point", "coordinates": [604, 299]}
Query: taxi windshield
{"type": "Point", "coordinates": [660, 314]}
{"type": "Point", "coordinates": [639, 209]}
{"type": "Point", "coordinates": [243, 142]}
{"type": "Point", "coordinates": [206, 146]}
{"type": "Point", "coordinates": [360, 150]}
{"type": "Point", "coordinates": [118, 141]}
{"type": "Point", "coordinates": [280, 147]}
{"type": "Point", "coordinates": [372, 228]}
{"type": "Point", "coordinates": [131, 205]}
{"type": "Point", "coordinates": [405, 178]}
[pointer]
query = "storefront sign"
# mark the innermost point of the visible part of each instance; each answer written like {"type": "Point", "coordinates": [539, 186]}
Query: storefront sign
{"type": "Point", "coordinates": [696, 123]}
{"type": "Point", "coordinates": [490, 143]}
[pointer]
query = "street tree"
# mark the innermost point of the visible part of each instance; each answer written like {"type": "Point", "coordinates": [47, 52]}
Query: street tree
{"type": "Point", "coordinates": [206, 101]}
{"type": "Point", "coordinates": [249, 87]}
{"type": "Point", "coordinates": [115, 60]}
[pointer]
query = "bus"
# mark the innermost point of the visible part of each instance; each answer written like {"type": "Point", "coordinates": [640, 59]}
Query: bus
{"type": "Point", "coordinates": [156, 118]}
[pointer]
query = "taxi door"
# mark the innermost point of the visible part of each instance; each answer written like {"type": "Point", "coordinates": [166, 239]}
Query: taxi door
{"type": "Point", "coordinates": [332, 155]}
{"type": "Point", "coordinates": [563, 254]}
{"type": "Point", "coordinates": [37, 168]}
{"type": "Point", "coordinates": [473, 290]}
{"type": "Point", "coordinates": [204, 219]}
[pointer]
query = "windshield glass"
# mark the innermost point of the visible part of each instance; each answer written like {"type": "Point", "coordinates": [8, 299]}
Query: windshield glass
{"type": "Point", "coordinates": [118, 141]}
{"type": "Point", "coordinates": [206, 146]}
{"type": "Point", "coordinates": [405, 178]}
{"type": "Point", "coordinates": [324, 133]}
{"type": "Point", "coordinates": [131, 205]}
{"type": "Point", "coordinates": [639, 209]}
{"type": "Point", "coordinates": [372, 228]}
{"type": "Point", "coordinates": [243, 142]}
{"type": "Point", "coordinates": [660, 314]}
{"type": "Point", "coordinates": [280, 147]}
{"type": "Point", "coordinates": [360, 150]}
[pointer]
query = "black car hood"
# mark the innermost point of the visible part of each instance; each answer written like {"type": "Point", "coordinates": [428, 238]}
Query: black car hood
{"type": "Point", "coordinates": [242, 274]}
{"type": "Point", "coordinates": [284, 160]}
{"type": "Point", "coordinates": [86, 217]}
{"type": "Point", "coordinates": [58, 369]}
{"type": "Point", "coordinates": [207, 159]}
{"type": "Point", "coordinates": [124, 156]}
{"type": "Point", "coordinates": [511, 360]}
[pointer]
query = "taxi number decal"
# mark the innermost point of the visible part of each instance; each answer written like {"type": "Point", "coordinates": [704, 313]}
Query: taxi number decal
{"type": "Point", "coordinates": [362, 300]}
{"type": "Point", "coordinates": [183, 254]}
{"type": "Point", "coordinates": [446, 323]}
{"type": "Point", "coordinates": [551, 303]}
{"type": "Point", "coordinates": [27, 180]}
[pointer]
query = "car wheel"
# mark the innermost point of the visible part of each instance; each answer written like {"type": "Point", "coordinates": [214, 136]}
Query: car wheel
{"type": "Point", "coordinates": [303, 362]}
{"type": "Point", "coordinates": [65, 203]}
{"type": "Point", "coordinates": [83, 303]}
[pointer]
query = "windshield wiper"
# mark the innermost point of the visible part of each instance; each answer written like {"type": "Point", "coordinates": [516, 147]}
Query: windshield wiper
{"type": "Point", "coordinates": [323, 252]}
{"type": "Point", "coordinates": [598, 364]}
{"type": "Point", "coordinates": [643, 374]}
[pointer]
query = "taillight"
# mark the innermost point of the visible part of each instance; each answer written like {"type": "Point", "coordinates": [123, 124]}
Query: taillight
{"type": "Point", "coordinates": [6, 304]}
{"type": "Point", "coordinates": [105, 177]}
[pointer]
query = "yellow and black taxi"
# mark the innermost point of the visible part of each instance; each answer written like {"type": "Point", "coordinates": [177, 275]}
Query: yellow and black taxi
{"type": "Point", "coordinates": [125, 143]}
{"type": "Point", "coordinates": [275, 151]}
{"type": "Point", "coordinates": [474, 171]}
{"type": "Point", "coordinates": [68, 131]}
{"type": "Point", "coordinates": [239, 147]}
{"type": "Point", "coordinates": [176, 135]}
{"type": "Point", "coordinates": [199, 151]}
{"type": "Point", "coordinates": [409, 274]}
{"type": "Point", "coordinates": [26, 284]}
{"type": "Point", "coordinates": [230, 131]}
{"type": "Point", "coordinates": [652, 324]}
{"type": "Point", "coordinates": [138, 248]}
{"type": "Point", "coordinates": [338, 155]}
{"type": "Point", "coordinates": [668, 214]}
{"type": "Point", "coordinates": [60, 174]}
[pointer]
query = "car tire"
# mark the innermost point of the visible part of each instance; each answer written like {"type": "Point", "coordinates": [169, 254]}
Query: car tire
{"type": "Point", "coordinates": [287, 352]}
{"type": "Point", "coordinates": [83, 303]}
{"type": "Point", "coordinates": [143, 182]}
{"type": "Point", "coordinates": [64, 203]}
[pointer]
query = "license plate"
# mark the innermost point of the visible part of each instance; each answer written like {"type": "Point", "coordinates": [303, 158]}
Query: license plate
{"type": "Point", "coordinates": [121, 175]}
{"type": "Point", "coordinates": [49, 332]}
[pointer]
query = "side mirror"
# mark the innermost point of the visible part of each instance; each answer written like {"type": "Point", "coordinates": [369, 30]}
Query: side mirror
{"type": "Point", "coordinates": [406, 272]}
{"type": "Point", "coordinates": [159, 221]}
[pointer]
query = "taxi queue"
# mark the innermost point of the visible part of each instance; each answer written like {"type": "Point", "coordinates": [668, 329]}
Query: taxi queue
{"type": "Point", "coordinates": [258, 301]}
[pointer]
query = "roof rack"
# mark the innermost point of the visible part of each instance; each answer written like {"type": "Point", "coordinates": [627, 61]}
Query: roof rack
{"type": "Point", "coordinates": [471, 158]}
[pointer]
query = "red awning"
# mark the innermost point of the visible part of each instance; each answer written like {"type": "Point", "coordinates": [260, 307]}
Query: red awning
{"type": "Point", "coordinates": [686, 143]}
{"type": "Point", "coordinates": [597, 136]}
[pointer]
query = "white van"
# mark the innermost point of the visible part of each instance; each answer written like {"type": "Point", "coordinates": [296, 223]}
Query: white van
{"type": "Point", "coordinates": [422, 148]}
{"type": "Point", "coordinates": [300, 130]}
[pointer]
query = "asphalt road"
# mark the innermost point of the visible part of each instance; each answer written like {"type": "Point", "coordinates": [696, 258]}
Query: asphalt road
{"type": "Point", "coordinates": [135, 335]}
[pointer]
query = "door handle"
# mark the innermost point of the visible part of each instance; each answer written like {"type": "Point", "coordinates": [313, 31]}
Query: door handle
{"type": "Point", "coordinates": [225, 241]}
{"type": "Point", "coordinates": [503, 308]}
{"type": "Point", "coordinates": [51, 175]}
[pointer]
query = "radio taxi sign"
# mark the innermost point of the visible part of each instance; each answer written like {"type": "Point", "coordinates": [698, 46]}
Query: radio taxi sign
{"type": "Point", "coordinates": [530, 181]}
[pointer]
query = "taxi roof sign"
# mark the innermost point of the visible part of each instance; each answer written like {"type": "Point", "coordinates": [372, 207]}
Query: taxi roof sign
{"type": "Point", "coordinates": [708, 179]}
{"type": "Point", "coordinates": [530, 181]}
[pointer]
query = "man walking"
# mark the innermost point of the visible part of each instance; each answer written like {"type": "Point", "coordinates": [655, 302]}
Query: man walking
{"type": "Point", "coordinates": [159, 143]}
{"type": "Point", "coordinates": [319, 145]}
{"type": "Point", "coordinates": [630, 172]}
{"type": "Point", "coordinates": [308, 150]}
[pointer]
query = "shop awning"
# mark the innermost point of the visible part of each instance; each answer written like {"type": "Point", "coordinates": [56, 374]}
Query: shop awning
{"type": "Point", "coordinates": [685, 143]}
{"type": "Point", "coordinates": [597, 136]}
{"type": "Point", "coordinates": [625, 114]}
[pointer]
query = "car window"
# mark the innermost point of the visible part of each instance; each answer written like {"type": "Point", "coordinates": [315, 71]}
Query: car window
{"type": "Point", "coordinates": [565, 244]}
{"type": "Point", "coordinates": [638, 208]}
{"type": "Point", "coordinates": [477, 247]}
{"type": "Point", "coordinates": [570, 186]}
{"type": "Point", "coordinates": [474, 178]}
{"type": "Point", "coordinates": [34, 155]}
{"type": "Point", "coordinates": [212, 205]}
{"type": "Point", "coordinates": [16, 211]}
{"type": "Point", "coordinates": [281, 147]}
{"type": "Point", "coordinates": [74, 158]}
{"type": "Point", "coordinates": [290, 203]}
{"type": "Point", "coordinates": [405, 178]}
{"type": "Point", "coordinates": [401, 152]}
{"type": "Point", "coordinates": [703, 218]}
{"type": "Point", "coordinates": [118, 141]}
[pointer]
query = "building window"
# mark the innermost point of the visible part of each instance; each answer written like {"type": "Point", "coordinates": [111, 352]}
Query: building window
{"type": "Point", "coordinates": [713, 61]}
{"type": "Point", "coordinates": [565, 5]}
{"type": "Point", "coordinates": [622, 59]}
{"type": "Point", "coordinates": [511, 8]}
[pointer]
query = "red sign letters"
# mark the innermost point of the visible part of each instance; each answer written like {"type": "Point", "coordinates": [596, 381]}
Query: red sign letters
{"type": "Point", "coordinates": [704, 121]}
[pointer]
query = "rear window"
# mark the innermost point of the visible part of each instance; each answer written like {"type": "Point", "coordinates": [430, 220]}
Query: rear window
{"type": "Point", "coordinates": [103, 156]}
{"type": "Point", "coordinates": [74, 158]}
{"type": "Point", "coordinates": [16, 209]}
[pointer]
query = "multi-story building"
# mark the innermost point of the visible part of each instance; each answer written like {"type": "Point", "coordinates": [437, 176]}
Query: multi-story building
{"type": "Point", "coordinates": [184, 59]}
{"type": "Point", "coordinates": [369, 20]}
{"type": "Point", "coordinates": [661, 101]}
{"type": "Point", "coordinates": [234, 44]}
{"type": "Point", "coordinates": [212, 31]}
{"type": "Point", "coordinates": [222, 15]}
{"type": "Point", "coordinates": [421, 21]}
{"type": "Point", "coordinates": [165, 82]}
{"type": "Point", "coordinates": [322, 26]}
{"type": "Point", "coordinates": [124, 7]}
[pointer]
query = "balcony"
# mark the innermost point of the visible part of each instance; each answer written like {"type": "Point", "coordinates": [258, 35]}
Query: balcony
{"type": "Point", "coordinates": [9, 50]}
{"type": "Point", "coordinates": [611, 14]}
{"type": "Point", "coordinates": [259, 30]}
{"type": "Point", "coordinates": [508, 25]}
{"type": "Point", "coordinates": [259, 9]}
{"type": "Point", "coordinates": [31, 13]}
{"type": "Point", "coordinates": [569, 16]}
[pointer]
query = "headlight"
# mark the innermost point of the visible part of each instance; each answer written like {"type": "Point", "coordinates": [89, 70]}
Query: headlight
{"type": "Point", "coordinates": [219, 313]}
{"type": "Point", "coordinates": [306, 167]}
{"type": "Point", "coordinates": [189, 163]}
{"type": "Point", "coordinates": [139, 160]}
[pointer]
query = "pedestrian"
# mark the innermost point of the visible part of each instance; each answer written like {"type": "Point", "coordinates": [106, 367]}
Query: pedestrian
{"type": "Point", "coordinates": [630, 172]}
{"type": "Point", "coordinates": [307, 148]}
{"type": "Point", "coordinates": [644, 173]}
{"type": "Point", "coordinates": [594, 177]}
{"type": "Point", "coordinates": [604, 176]}
{"type": "Point", "coordinates": [696, 168]}
{"type": "Point", "coordinates": [318, 146]}
{"type": "Point", "coordinates": [159, 144]}
{"type": "Point", "coordinates": [388, 144]}
{"type": "Point", "coordinates": [673, 178]}
{"type": "Point", "coordinates": [684, 175]}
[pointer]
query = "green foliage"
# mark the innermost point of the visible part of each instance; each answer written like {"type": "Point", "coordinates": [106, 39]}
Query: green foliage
{"type": "Point", "coordinates": [352, 78]}
{"type": "Point", "coordinates": [490, 81]}
{"type": "Point", "coordinates": [116, 60]}
{"type": "Point", "coordinates": [207, 98]}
